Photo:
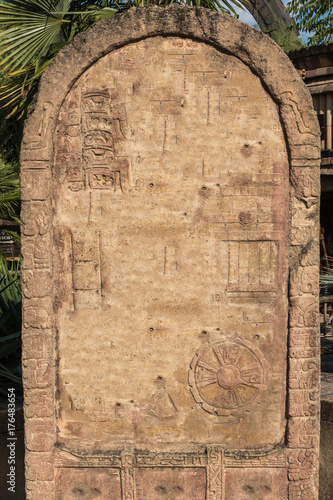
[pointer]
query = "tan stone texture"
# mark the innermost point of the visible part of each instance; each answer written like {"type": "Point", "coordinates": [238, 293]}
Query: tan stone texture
{"type": "Point", "coordinates": [170, 192]}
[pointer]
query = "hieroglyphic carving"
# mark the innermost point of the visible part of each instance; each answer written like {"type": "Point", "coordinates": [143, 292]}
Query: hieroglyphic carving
{"type": "Point", "coordinates": [227, 378]}
{"type": "Point", "coordinates": [303, 338]}
{"type": "Point", "coordinates": [304, 280]}
{"type": "Point", "coordinates": [304, 345]}
{"type": "Point", "coordinates": [94, 407]}
{"type": "Point", "coordinates": [139, 459]}
{"type": "Point", "coordinates": [303, 490]}
{"type": "Point", "coordinates": [127, 477]}
{"type": "Point", "coordinates": [37, 313]}
{"type": "Point", "coordinates": [170, 459]}
{"type": "Point", "coordinates": [36, 185]}
{"type": "Point", "coordinates": [37, 367]}
{"type": "Point", "coordinates": [303, 432]}
{"type": "Point", "coordinates": [162, 405]}
{"type": "Point", "coordinates": [303, 394]}
{"type": "Point", "coordinates": [36, 283]}
{"type": "Point", "coordinates": [42, 253]}
{"type": "Point", "coordinates": [37, 373]}
{"type": "Point", "coordinates": [251, 263]}
{"type": "Point", "coordinates": [35, 219]}
{"type": "Point", "coordinates": [98, 142]}
{"type": "Point", "coordinates": [304, 373]}
{"type": "Point", "coordinates": [70, 458]}
{"type": "Point", "coordinates": [104, 124]}
{"type": "Point", "coordinates": [36, 253]}
{"type": "Point", "coordinates": [39, 403]}
{"type": "Point", "coordinates": [39, 466]}
{"type": "Point", "coordinates": [38, 345]}
{"type": "Point", "coordinates": [306, 184]}
{"type": "Point", "coordinates": [215, 474]}
{"type": "Point", "coordinates": [301, 117]}
{"type": "Point", "coordinates": [39, 489]}
{"type": "Point", "coordinates": [301, 464]}
{"type": "Point", "coordinates": [303, 402]}
{"type": "Point", "coordinates": [276, 457]}
{"type": "Point", "coordinates": [115, 178]}
{"type": "Point", "coordinates": [37, 138]}
{"type": "Point", "coordinates": [301, 234]}
{"type": "Point", "coordinates": [304, 312]}
{"type": "Point", "coordinates": [39, 435]}
{"type": "Point", "coordinates": [87, 280]}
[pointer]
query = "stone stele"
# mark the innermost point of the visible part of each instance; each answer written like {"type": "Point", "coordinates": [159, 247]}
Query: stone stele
{"type": "Point", "coordinates": [170, 187]}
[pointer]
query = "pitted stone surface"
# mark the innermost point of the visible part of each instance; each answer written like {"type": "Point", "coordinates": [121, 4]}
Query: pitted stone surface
{"type": "Point", "coordinates": [170, 189]}
{"type": "Point", "coordinates": [152, 174]}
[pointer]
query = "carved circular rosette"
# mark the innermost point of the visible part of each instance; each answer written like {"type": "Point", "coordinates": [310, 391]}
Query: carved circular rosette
{"type": "Point", "coordinates": [228, 377]}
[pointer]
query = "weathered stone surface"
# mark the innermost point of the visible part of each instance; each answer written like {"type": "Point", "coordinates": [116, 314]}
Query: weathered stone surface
{"type": "Point", "coordinates": [241, 484]}
{"type": "Point", "coordinates": [88, 483]}
{"type": "Point", "coordinates": [170, 190]}
{"type": "Point", "coordinates": [171, 483]}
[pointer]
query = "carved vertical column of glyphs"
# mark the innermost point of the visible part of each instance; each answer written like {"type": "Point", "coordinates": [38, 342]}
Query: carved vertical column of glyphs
{"type": "Point", "coordinates": [38, 348]}
{"type": "Point", "coordinates": [304, 369]}
{"type": "Point", "coordinates": [103, 127]}
{"type": "Point", "coordinates": [215, 487]}
{"type": "Point", "coordinates": [127, 476]}
{"type": "Point", "coordinates": [86, 267]}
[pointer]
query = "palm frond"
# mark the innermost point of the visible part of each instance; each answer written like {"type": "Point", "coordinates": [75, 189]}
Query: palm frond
{"type": "Point", "coordinates": [29, 29]}
{"type": "Point", "coordinates": [9, 192]}
{"type": "Point", "coordinates": [31, 34]}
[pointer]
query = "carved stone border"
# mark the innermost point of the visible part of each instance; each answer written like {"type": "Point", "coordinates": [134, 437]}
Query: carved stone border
{"type": "Point", "coordinates": [299, 122]}
{"type": "Point", "coordinates": [214, 459]}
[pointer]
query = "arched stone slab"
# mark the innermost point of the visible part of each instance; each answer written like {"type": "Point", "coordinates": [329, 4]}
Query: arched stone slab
{"type": "Point", "coordinates": [170, 183]}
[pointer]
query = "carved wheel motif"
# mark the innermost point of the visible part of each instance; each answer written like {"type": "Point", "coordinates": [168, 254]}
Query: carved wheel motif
{"type": "Point", "coordinates": [227, 377]}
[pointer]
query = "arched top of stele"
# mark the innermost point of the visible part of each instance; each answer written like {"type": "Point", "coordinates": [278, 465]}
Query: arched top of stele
{"type": "Point", "coordinates": [222, 31]}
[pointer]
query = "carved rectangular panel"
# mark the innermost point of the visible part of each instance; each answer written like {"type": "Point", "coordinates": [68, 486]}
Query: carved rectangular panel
{"type": "Point", "coordinates": [243, 484]}
{"type": "Point", "coordinates": [88, 483]}
{"type": "Point", "coordinates": [170, 483]}
{"type": "Point", "coordinates": [250, 264]}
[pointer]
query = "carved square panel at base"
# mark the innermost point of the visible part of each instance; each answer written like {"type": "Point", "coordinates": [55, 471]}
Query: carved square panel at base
{"type": "Point", "coordinates": [171, 483]}
{"type": "Point", "coordinates": [256, 484]}
{"type": "Point", "coordinates": [84, 483]}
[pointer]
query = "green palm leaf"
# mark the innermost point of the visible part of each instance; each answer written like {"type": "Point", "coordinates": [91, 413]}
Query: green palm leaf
{"type": "Point", "coordinates": [9, 192]}
{"type": "Point", "coordinates": [17, 93]}
{"type": "Point", "coordinates": [31, 34]}
{"type": "Point", "coordinates": [30, 28]}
